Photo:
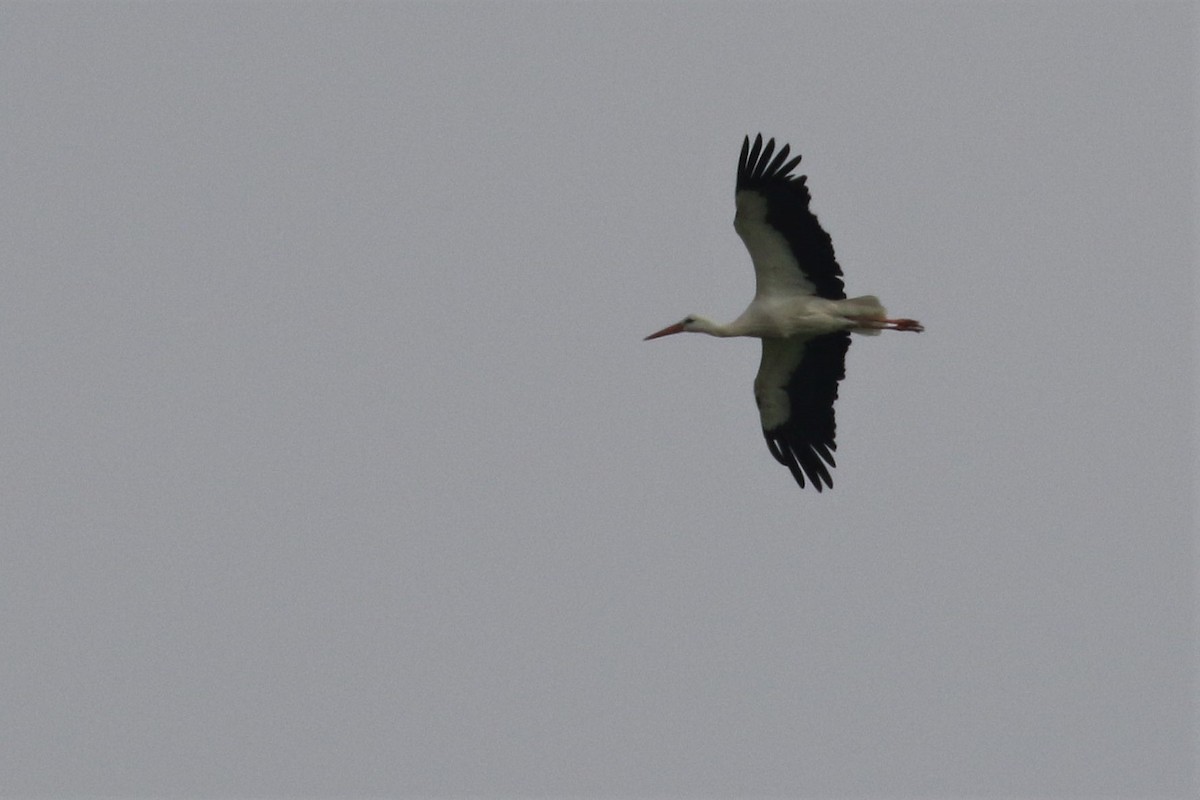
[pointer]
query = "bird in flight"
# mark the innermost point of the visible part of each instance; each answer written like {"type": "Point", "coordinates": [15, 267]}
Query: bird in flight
{"type": "Point", "coordinates": [799, 310]}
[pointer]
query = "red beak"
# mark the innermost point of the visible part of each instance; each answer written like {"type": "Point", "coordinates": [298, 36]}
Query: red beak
{"type": "Point", "coordinates": [667, 331]}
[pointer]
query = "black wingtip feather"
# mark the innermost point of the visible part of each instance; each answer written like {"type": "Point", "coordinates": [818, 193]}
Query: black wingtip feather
{"type": "Point", "coordinates": [764, 158]}
{"type": "Point", "coordinates": [752, 159]}
{"type": "Point", "coordinates": [755, 162]}
{"type": "Point", "coordinates": [779, 159]}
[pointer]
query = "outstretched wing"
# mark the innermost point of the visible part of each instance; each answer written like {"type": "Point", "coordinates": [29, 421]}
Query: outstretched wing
{"type": "Point", "coordinates": [792, 253]}
{"type": "Point", "coordinates": [796, 387]}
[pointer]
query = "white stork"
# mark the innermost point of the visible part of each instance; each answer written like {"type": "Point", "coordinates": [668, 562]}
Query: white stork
{"type": "Point", "coordinates": [799, 310]}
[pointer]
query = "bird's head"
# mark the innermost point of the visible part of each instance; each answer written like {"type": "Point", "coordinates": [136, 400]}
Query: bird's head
{"type": "Point", "coordinates": [692, 323]}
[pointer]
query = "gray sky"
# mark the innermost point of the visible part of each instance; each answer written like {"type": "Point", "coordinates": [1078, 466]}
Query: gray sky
{"type": "Point", "coordinates": [334, 463]}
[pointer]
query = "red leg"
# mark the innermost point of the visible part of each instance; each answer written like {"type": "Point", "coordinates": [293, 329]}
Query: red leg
{"type": "Point", "coordinates": [905, 325]}
{"type": "Point", "coordinates": [888, 324]}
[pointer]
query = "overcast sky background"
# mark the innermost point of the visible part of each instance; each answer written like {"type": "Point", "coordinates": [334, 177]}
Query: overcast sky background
{"type": "Point", "coordinates": [334, 462]}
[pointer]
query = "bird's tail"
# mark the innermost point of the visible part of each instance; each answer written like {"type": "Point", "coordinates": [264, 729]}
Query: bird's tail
{"type": "Point", "coordinates": [865, 307]}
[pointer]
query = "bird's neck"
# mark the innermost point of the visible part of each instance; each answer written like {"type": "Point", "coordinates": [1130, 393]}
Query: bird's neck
{"type": "Point", "coordinates": [714, 328]}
